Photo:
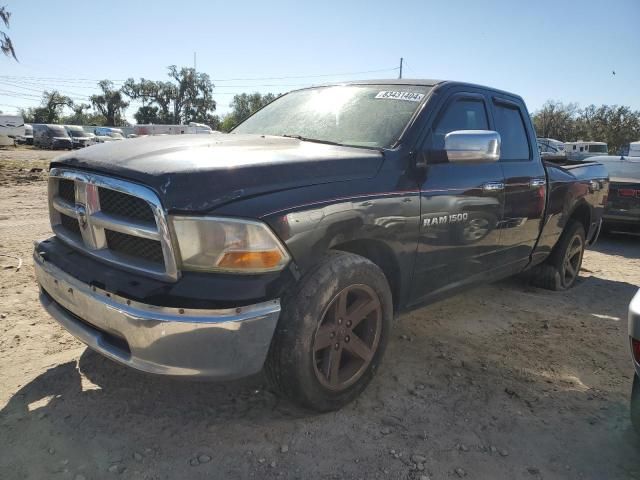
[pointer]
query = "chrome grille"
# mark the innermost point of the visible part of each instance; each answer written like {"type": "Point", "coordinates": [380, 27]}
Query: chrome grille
{"type": "Point", "coordinates": [70, 224]}
{"type": "Point", "coordinates": [67, 190]}
{"type": "Point", "coordinates": [117, 203]}
{"type": "Point", "coordinates": [149, 250]}
{"type": "Point", "coordinates": [113, 220]}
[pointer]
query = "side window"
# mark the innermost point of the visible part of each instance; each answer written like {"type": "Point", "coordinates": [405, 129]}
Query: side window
{"type": "Point", "coordinates": [510, 126]}
{"type": "Point", "coordinates": [462, 114]}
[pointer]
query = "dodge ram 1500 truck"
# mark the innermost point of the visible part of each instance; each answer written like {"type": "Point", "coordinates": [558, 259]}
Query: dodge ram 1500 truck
{"type": "Point", "coordinates": [291, 243]}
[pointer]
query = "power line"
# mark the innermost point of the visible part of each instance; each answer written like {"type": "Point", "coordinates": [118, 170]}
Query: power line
{"type": "Point", "coordinates": [344, 74]}
{"type": "Point", "coordinates": [284, 77]}
{"type": "Point", "coordinates": [69, 94]}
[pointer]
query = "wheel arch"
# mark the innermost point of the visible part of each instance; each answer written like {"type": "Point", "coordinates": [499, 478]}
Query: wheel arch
{"type": "Point", "coordinates": [581, 213]}
{"type": "Point", "coordinates": [382, 255]}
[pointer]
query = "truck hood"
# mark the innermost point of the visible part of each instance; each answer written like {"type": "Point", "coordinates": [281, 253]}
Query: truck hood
{"type": "Point", "coordinates": [196, 173]}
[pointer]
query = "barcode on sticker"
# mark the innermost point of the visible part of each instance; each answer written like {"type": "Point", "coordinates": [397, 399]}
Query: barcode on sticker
{"type": "Point", "coordinates": [409, 96]}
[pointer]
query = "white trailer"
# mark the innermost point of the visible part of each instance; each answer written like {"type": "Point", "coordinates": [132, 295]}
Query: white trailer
{"type": "Point", "coordinates": [152, 129]}
{"type": "Point", "coordinates": [580, 150]}
{"type": "Point", "coordinates": [11, 127]}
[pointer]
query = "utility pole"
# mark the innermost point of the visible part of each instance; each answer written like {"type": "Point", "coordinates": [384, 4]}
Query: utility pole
{"type": "Point", "coordinates": [400, 68]}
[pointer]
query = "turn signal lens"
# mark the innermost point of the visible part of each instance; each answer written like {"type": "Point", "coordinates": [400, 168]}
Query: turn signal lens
{"type": "Point", "coordinates": [250, 260]}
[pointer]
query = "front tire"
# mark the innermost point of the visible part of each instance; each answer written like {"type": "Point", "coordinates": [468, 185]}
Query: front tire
{"type": "Point", "coordinates": [332, 333]}
{"type": "Point", "coordinates": [560, 271]}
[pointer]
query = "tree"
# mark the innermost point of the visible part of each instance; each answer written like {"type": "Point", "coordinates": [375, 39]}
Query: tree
{"type": "Point", "coordinates": [50, 109]}
{"type": "Point", "coordinates": [556, 120]}
{"type": "Point", "coordinates": [110, 103]}
{"type": "Point", "coordinates": [187, 98]}
{"type": "Point", "coordinates": [82, 116]}
{"type": "Point", "coordinates": [616, 125]}
{"type": "Point", "coordinates": [244, 105]}
{"type": "Point", "coordinates": [5, 42]}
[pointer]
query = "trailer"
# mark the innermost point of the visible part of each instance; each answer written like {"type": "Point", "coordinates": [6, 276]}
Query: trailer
{"type": "Point", "coordinates": [11, 127]}
{"type": "Point", "coordinates": [153, 129]}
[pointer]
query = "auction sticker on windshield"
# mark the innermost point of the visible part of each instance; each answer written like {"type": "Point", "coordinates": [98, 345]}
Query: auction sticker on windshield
{"type": "Point", "coordinates": [409, 96]}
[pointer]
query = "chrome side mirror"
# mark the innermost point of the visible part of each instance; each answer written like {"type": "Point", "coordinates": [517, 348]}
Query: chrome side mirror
{"type": "Point", "coordinates": [472, 146]}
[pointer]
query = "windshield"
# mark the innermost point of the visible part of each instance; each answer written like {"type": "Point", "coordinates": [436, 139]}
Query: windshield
{"type": "Point", "coordinates": [78, 133]}
{"type": "Point", "coordinates": [355, 115]}
{"type": "Point", "coordinates": [57, 131]}
{"type": "Point", "coordinates": [598, 148]}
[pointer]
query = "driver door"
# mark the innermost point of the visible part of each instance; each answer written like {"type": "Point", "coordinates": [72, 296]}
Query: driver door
{"type": "Point", "coordinates": [462, 205]}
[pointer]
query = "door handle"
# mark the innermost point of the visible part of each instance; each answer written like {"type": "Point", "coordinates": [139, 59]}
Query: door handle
{"type": "Point", "coordinates": [537, 182]}
{"type": "Point", "coordinates": [493, 187]}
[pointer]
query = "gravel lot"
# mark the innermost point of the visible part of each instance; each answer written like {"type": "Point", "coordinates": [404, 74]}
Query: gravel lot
{"type": "Point", "coordinates": [506, 381]}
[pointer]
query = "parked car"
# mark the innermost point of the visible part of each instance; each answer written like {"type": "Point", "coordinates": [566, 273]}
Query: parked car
{"type": "Point", "coordinates": [108, 134]}
{"type": "Point", "coordinates": [53, 137]}
{"type": "Point", "coordinates": [79, 137]}
{"type": "Point", "coordinates": [11, 127]}
{"type": "Point", "coordinates": [292, 242]}
{"type": "Point", "coordinates": [623, 206]}
{"type": "Point", "coordinates": [581, 150]}
{"type": "Point", "coordinates": [551, 149]}
{"type": "Point", "coordinates": [634, 342]}
{"type": "Point", "coordinates": [27, 137]}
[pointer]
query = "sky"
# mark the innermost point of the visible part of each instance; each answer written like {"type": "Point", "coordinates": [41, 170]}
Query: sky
{"type": "Point", "coordinates": [562, 50]}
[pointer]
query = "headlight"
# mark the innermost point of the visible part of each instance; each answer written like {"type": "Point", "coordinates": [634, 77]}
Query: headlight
{"type": "Point", "coordinates": [227, 245]}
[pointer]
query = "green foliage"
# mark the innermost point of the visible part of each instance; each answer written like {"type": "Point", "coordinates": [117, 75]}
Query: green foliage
{"type": "Point", "coordinates": [82, 116]}
{"type": "Point", "coordinates": [243, 106]}
{"type": "Point", "coordinates": [110, 103]}
{"type": "Point", "coordinates": [188, 97]}
{"type": "Point", "coordinates": [50, 109]}
{"type": "Point", "coordinates": [6, 46]}
{"type": "Point", "coordinates": [613, 124]}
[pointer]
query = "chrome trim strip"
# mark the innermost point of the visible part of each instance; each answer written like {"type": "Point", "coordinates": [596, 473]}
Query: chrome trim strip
{"type": "Point", "coordinates": [122, 225]}
{"type": "Point", "coordinates": [64, 207]}
{"type": "Point", "coordinates": [93, 221]}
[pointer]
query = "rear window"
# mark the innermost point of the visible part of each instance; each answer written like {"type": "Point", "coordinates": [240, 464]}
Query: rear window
{"type": "Point", "coordinates": [509, 124]}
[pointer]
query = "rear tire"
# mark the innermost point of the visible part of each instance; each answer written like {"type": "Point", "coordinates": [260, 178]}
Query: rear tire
{"type": "Point", "coordinates": [561, 270]}
{"type": "Point", "coordinates": [332, 333]}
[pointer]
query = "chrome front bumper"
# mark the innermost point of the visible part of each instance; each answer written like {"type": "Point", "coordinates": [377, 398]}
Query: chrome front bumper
{"type": "Point", "coordinates": [217, 344]}
{"type": "Point", "coordinates": [634, 324]}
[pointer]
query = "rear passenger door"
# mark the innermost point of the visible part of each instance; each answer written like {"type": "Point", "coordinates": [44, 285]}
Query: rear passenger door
{"type": "Point", "coordinates": [461, 204]}
{"type": "Point", "coordinates": [525, 181]}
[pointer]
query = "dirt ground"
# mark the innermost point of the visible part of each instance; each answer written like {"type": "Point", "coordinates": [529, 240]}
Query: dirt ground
{"type": "Point", "coordinates": [506, 381]}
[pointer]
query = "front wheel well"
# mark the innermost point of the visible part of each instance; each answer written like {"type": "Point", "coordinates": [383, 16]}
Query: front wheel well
{"type": "Point", "coordinates": [380, 254]}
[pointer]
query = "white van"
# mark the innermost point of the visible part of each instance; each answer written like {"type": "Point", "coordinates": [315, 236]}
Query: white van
{"type": "Point", "coordinates": [580, 150]}
{"type": "Point", "coordinates": [631, 150]}
{"type": "Point", "coordinates": [11, 127]}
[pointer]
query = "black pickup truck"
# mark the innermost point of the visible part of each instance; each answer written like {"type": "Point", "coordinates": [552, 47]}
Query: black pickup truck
{"type": "Point", "coordinates": [291, 243]}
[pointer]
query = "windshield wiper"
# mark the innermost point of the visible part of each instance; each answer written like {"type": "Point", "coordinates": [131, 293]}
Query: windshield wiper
{"type": "Point", "coordinates": [314, 140]}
